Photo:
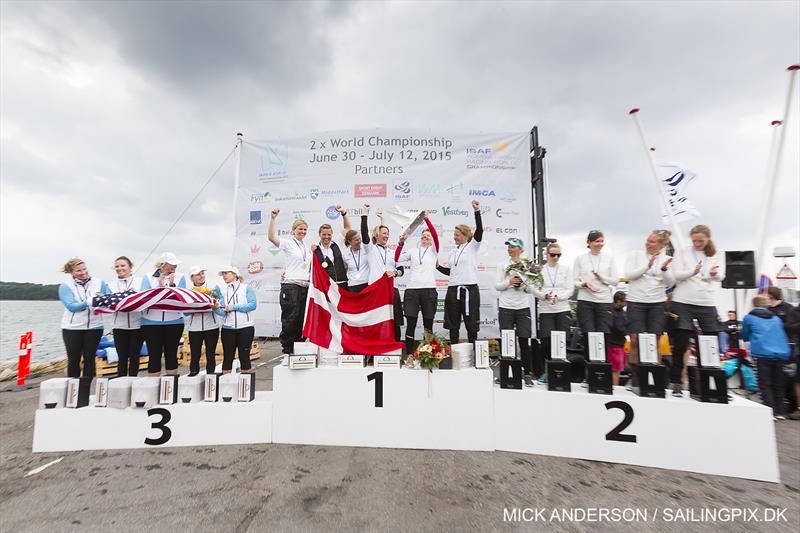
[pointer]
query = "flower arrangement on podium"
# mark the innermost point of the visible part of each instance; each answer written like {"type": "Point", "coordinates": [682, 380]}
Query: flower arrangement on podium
{"type": "Point", "coordinates": [526, 270]}
{"type": "Point", "coordinates": [430, 352]}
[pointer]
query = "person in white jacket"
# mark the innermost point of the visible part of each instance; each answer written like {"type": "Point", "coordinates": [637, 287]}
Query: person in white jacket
{"type": "Point", "coordinates": [81, 329]}
{"type": "Point", "coordinates": [127, 327]}
{"type": "Point", "coordinates": [514, 308]}
{"type": "Point", "coordinates": [553, 298]}
{"type": "Point", "coordinates": [649, 276]}
{"type": "Point", "coordinates": [238, 325]}
{"type": "Point", "coordinates": [203, 326]}
{"type": "Point", "coordinates": [698, 271]}
{"type": "Point", "coordinates": [162, 330]}
{"type": "Point", "coordinates": [595, 276]}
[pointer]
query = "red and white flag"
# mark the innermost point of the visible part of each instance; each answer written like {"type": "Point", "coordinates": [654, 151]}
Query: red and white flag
{"type": "Point", "coordinates": [350, 322]}
{"type": "Point", "coordinates": [161, 299]}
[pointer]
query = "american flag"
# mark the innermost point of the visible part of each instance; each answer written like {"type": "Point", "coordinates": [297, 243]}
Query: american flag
{"type": "Point", "coordinates": [110, 300]}
{"type": "Point", "coordinates": [161, 299]}
{"type": "Point", "coordinates": [350, 322]}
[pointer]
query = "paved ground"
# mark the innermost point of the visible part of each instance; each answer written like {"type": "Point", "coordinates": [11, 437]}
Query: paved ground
{"type": "Point", "coordinates": [315, 488]}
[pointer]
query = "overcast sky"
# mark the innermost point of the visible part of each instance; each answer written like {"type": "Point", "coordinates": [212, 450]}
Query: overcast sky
{"type": "Point", "coordinates": [113, 114]}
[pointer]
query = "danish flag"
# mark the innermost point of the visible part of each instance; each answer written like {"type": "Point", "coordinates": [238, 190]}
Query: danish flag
{"type": "Point", "coordinates": [350, 322]}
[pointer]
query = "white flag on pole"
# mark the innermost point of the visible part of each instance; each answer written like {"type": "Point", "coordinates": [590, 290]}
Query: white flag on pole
{"type": "Point", "coordinates": [676, 179]}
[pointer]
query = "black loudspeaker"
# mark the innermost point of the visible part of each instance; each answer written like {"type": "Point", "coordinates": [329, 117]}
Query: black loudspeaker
{"type": "Point", "coordinates": [740, 270]}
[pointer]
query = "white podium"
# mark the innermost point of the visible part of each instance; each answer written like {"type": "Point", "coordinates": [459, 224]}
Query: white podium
{"type": "Point", "coordinates": [735, 440]}
{"type": "Point", "coordinates": [190, 424]}
{"type": "Point", "coordinates": [398, 408]}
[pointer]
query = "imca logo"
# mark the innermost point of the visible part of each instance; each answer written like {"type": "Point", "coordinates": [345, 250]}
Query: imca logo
{"type": "Point", "coordinates": [255, 267]}
{"type": "Point", "coordinates": [481, 192]}
{"type": "Point", "coordinates": [255, 217]}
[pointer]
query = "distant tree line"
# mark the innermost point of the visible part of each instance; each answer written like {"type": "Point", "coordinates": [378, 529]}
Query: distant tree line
{"type": "Point", "coordinates": [10, 290]}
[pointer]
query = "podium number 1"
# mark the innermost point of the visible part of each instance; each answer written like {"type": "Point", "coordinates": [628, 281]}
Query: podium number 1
{"type": "Point", "coordinates": [616, 433]}
{"type": "Point", "coordinates": [378, 378]}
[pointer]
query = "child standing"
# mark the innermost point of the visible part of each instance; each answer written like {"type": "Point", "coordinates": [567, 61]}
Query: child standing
{"type": "Point", "coordinates": [616, 336]}
{"type": "Point", "coordinates": [770, 348]}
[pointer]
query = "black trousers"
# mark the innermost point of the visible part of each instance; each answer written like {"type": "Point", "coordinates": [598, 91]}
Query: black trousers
{"type": "Point", "coordinates": [81, 342]}
{"type": "Point", "coordinates": [162, 340]}
{"type": "Point", "coordinates": [771, 381]}
{"type": "Point", "coordinates": [593, 316]}
{"type": "Point", "coordinates": [647, 317]}
{"type": "Point", "coordinates": [411, 326]}
{"type": "Point", "coordinates": [293, 313]}
{"type": "Point", "coordinates": [210, 338]}
{"type": "Point", "coordinates": [129, 345]}
{"type": "Point", "coordinates": [234, 340]}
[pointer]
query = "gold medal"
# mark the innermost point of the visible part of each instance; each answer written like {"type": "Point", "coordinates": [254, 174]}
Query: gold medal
{"type": "Point", "coordinates": [324, 264]}
{"type": "Point", "coordinates": [357, 275]}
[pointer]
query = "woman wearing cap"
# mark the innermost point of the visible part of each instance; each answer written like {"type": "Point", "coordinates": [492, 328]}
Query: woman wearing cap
{"type": "Point", "coordinates": [127, 327]}
{"type": "Point", "coordinates": [294, 285]}
{"type": "Point", "coordinates": [514, 311]}
{"type": "Point", "coordinates": [553, 296]}
{"type": "Point", "coordinates": [463, 298]}
{"type": "Point", "coordinates": [649, 276]}
{"type": "Point", "coordinates": [595, 276]}
{"type": "Point", "coordinates": [203, 326]}
{"type": "Point", "coordinates": [698, 270]}
{"type": "Point", "coordinates": [420, 294]}
{"type": "Point", "coordinates": [81, 329]}
{"type": "Point", "coordinates": [381, 260]}
{"type": "Point", "coordinates": [355, 258]}
{"type": "Point", "coordinates": [238, 326]}
{"type": "Point", "coordinates": [162, 330]}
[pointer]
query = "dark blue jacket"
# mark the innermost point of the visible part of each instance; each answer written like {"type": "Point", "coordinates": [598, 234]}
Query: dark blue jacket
{"type": "Point", "coordinates": [765, 333]}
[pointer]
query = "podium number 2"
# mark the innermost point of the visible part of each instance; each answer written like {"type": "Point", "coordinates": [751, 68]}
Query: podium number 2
{"type": "Point", "coordinates": [616, 433]}
{"type": "Point", "coordinates": [378, 378]}
{"type": "Point", "coordinates": [166, 433]}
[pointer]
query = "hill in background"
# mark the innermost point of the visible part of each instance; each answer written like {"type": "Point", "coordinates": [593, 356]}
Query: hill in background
{"type": "Point", "coordinates": [10, 290]}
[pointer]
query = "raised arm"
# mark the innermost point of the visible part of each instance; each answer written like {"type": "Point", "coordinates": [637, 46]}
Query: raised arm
{"type": "Point", "coordinates": [273, 238]}
{"type": "Point", "coordinates": [399, 249]}
{"type": "Point", "coordinates": [434, 235]}
{"type": "Point", "coordinates": [478, 236]}
{"type": "Point", "coordinates": [365, 225]}
{"type": "Point", "coordinates": [345, 220]}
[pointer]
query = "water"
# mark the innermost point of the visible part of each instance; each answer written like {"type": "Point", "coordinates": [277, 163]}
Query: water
{"type": "Point", "coordinates": [42, 318]}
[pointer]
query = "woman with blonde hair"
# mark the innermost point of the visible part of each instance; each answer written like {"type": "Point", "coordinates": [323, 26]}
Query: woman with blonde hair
{"type": "Point", "coordinates": [698, 270]}
{"type": "Point", "coordinates": [294, 285]}
{"type": "Point", "coordinates": [81, 329]}
{"type": "Point", "coordinates": [649, 276]}
{"type": "Point", "coordinates": [554, 309]}
{"type": "Point", "coordinates": [463, 298]}
{"type": "Point", "coordinates": [162, 330]}
{"type": "Point", "coordinates": [127, 327]}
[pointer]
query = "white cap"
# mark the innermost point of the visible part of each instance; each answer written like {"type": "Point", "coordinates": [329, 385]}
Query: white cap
{"type": "Point", "coordinates": [196, 270]}
{"type": "Point", "coordinates": [229, 268]}
{"type": "Point", "coordinates": [169, 258]}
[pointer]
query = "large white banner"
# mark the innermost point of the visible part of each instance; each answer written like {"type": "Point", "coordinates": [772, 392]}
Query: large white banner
{"type": "Point", "coordinates": [409, 169]}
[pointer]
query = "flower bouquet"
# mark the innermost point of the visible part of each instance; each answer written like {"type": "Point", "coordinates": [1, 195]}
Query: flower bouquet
{"type": "Point", "coordinates": [430, 351]}
{"type": "Point", "coordinates": [527, 271]}
{"type": "Point", "coordinates": [213, 293]}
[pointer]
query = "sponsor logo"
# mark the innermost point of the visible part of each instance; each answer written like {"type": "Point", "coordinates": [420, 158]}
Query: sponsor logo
{"type": "Point", "coordinates": [370, 190]}
{"type": "Point", "coordinates": [402, 189]}
{"type": "Point", "coordinates": [454, 211]}
{"type": "Point", "coordinates": [254, 249]}
{"type": "Point", "coordinates": [481, 267]}
{"type": "Point", "coordinates": [255, 217]}
{"type": "Point", "coordinates": [487, 321]}
{"type": "Point", "coordinates": [485, 209]}
{"type": "Point", "coordinates": [494, 156]}
{"type": "Point", "coordinates": [255, 283]}
{"type": "Point", "coordinates": [500, 213]}
{"type": "Point", "coordinates": [255, 267]}
{"type": "Point", "coordinates": [507, 231]}
{"type": "Point", "coordinates": [313, 194]}
{"type": "Point", "coordinates": [482, 192]}
{"type": "Point", "coordinates": [332, 213]}
{"type": "Point", "coordinates": [258, 198]}
{"type": "Point", "coordinates": [323, 193]}
{"type": "Point", "coordinates": [292, 196]}
{"type": "Point", "coordinates": [274, 159]}
{"type": "Point", "coordinates": [300, 213]}
{"type": "Point", "coordinates": [283, 232]}
{"type": "Point", "coordinates": [429, 190]}
{"type": "Point", "coordinates": [455, 189]}
{"type": "Point", "coordinates": [253, 233]}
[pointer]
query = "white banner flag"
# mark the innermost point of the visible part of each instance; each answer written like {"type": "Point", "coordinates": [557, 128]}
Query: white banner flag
{"type": "Point", "coordinates": [395, 171]}
{"type": "Point", "coordinates": [675, 179]}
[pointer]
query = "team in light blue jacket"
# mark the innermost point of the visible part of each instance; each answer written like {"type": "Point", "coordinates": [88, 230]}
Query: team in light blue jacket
{"type": "Point", "coordinates": [238, 327]}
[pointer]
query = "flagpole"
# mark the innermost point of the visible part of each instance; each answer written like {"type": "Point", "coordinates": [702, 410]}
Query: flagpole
{"type": "Point", "coordinates": [676, 229]}
{"type": "Point", "coordinates": [772, 171]}
{"type": "Point", "coordinates": [237, 155]}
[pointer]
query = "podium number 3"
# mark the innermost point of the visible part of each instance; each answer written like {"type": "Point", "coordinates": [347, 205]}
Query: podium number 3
{"type": "Point", "coordinates": [616, 433]}
{"type": "Point", "coordinates": [378, 378]}
{"type": "Point", "coordinates": [166, 433]}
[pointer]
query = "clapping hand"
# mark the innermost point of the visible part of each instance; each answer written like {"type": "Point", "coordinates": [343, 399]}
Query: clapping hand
{"type": "Point", "coordinates": [652, 261]}
{"type": "Point", "coordinates": [714, 271]}
{"type": "Point", "coordinates": [666, 264]}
